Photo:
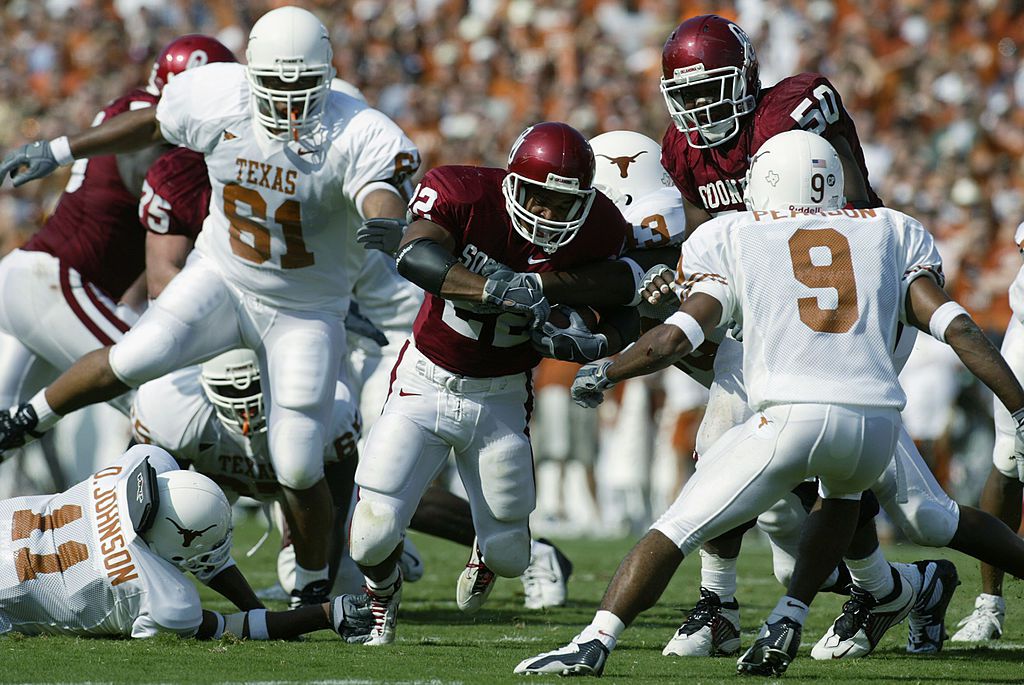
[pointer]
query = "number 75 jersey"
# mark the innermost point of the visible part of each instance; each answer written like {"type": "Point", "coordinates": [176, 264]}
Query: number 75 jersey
{"type": "Point", "coordinates": [280, 211]}
{"type": "Point", "coordinates": [818, 297]}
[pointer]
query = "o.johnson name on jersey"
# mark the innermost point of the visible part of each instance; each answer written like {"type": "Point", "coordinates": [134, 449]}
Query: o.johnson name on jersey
{"type": "Point", "coordinates": [256, 173]}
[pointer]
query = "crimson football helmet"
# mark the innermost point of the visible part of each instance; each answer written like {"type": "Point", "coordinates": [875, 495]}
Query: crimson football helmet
{"type": "Point", "coordinates": [186, 52]}
{"type": "Point", "coordinates": [710, 78]}
{"type": "Point", "coordinates": [555, 157]}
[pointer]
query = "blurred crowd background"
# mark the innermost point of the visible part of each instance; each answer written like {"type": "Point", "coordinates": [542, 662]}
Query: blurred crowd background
{"type": "Point", "coordinates": [934, 86]}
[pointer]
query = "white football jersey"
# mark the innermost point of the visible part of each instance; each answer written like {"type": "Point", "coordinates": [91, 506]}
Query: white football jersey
{"type": "Point", "coordinates": [657, 219]}
{"type": "Point", "coordinates": [281, 212]}
{"type": "Point", "coordinates": [71, 563]}
{"type": "Point", "coordinates": [818, 297]}
{"type": "Point", "coordinates": [1017, 287]}
{"type": "Point", "coordinates": [386, 298]}
{"type": "Point", "coordinates": [174, 413]}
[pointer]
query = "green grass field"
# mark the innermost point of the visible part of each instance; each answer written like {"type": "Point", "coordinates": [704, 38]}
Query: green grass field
{"type": "Point", "coordinates": [437, 644]}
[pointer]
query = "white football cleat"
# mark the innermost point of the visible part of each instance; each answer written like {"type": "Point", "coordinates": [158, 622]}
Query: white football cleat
{"type": "Point", "coordinates": [864, 620]}
{"type": "Point", "coordinates": [384, 611]}
{"type": "Point", "coordinates": [927, 621]}
{"type": "Point", "coordinates": [711, 629]}
{"type": "Point", "coordinates": [475, 583]}
{"type": "Point", "coordinates": [985, 622]}
{"type": "Point", "coordinates": [575, 658]}
{"type": "Point", "coordinates": [544, 580]}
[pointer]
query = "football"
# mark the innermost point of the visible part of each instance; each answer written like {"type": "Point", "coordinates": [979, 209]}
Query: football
{"type": "Point", "coordinates": [559, 316]}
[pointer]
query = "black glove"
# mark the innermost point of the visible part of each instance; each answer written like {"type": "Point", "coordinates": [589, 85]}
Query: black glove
{"type": "Point", "coordinates": [520, 299]}
{"type": "Point", "coordinates": [37, 156]}
{"type": "Point", "coordinates": [381, 233]}
{"type": "Point", "coordinates": [18, 429]}
{"type": "Point", "coordinates": [574, 343]}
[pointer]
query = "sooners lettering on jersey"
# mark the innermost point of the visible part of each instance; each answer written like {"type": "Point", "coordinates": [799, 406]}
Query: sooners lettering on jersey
{"type": "Point", "coordinates": [95, 228]}
{"type": "Point", "coordinates": [467, 202]}
{"type": "Point", "coordinates": [713, 178]}
{"type": "Point", "coordinates": [176, 194]}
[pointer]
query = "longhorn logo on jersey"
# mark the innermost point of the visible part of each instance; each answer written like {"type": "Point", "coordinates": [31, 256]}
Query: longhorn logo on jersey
{"type": "Point", "coordinates": [189, 536]}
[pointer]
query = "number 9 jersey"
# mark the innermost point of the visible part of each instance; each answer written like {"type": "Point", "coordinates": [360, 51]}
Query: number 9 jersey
{"type": "Point", "coordinates": [819, 298]}
{"type": "Point", "coordinates": [280, 210]}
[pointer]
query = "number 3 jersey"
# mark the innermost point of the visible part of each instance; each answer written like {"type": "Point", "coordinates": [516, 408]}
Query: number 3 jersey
{"type": "Point", "coordinates": [72, 564]}
{"type": "Point", "coordinates": [468, 203]}
{"type": "Point", "coordinates": [280, 211]}
{"type": "Point", "coordinates": [714, 178]}
{"type": "Point", "coordinates": [818, 297]}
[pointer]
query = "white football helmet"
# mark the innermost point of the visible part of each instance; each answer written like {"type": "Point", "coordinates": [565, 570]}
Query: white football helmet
{"type": "Point", "coordinates": [232, 383]}
{"type": "Point", "coordinates": [628, 166]}
{"type": "Point", "coordinates": [796, 170]}
{"type": "Point", "coordinates": [289, 68]}
{"type": "Point", "coordinates": [192, 526]}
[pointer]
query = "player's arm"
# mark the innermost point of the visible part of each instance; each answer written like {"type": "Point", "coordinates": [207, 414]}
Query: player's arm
{"type": "Point", "coordinates": [930, 309]}
{"type": "Point", "coordinates": [125, 133]}
{"type": "Point", "coordinates": [855, 186]}
{"type": "Point", "coordinates": [235, 588]}
{"type": "Point", "coordinates": [165, 257]}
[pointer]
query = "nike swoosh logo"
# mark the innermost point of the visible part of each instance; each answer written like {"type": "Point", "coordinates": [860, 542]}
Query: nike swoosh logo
{"type": "Point", "coordinates": [532, 260]}
{"type": "Point", "coordinates": [792, 604]}
{"type": "Point", "coordinates": [403, 393]}
{"type": "Point", "coordinates": [306, 152]}
{"type": "Point", "coordinates": [845, 652]}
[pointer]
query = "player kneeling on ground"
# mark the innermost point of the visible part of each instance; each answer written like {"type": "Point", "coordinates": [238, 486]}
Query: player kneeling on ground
{"type": "Point", "coordinates": [107, 557]}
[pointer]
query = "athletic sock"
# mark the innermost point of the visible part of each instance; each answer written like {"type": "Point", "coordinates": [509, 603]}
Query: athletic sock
{"type": "Point", "coordinates": [304, 576]}
{"type": "Point", "coordinates": [384, 587]}
{"type": "Point", "coordinates": [791, 608]}
{"type": "Point", "coordinates": [872, 573]}
{"type": "Point", "coordinates": [605, 627]}
{"type": "Point", "coordinates": [718, 574]}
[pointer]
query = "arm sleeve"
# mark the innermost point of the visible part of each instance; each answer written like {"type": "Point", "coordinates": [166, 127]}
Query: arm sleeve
{"type": "Point", "coordinates": [920, 257]}
{"type": "Point", "coordinates": [377, 150]}
{"type": "Point", "coordinates": [704, 268]}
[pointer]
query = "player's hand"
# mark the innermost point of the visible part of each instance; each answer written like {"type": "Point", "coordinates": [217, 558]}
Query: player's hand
{"type": "Point", "coordinates": [17, 428]}
{"type": "Point", "coordinates": [574, 343]}
{"type": "Point", "coordinates": [590, 383]}
{"type": "Point", "coordinates": [521, 299]}
{"type": "Point", "coordinates": [1018, 443]}
{"type": "Point", "coordinates": [356, 323]}
{"type": "Point", "coordinates": [351, 617]}
{"type": "Point", "coordinates": [492, 268]}
{"type": "Point", "coordinates": [37, 157]}
{"type": "Point", "coordinates": [658, 299]}
{"type": "Point", "coordinates": [381, 233]}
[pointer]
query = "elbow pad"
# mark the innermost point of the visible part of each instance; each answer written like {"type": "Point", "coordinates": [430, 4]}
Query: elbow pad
{"type": "Point", "coordinates": [426, 263]}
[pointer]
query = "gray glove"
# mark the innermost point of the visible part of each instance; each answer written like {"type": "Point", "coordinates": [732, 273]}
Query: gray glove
{"type": "Point", "coordinates": [669, 302]}
{"type": "Point", "coordinates": [37, 156]}
{"type": "Point", "coordinates": [356, 323]}
{"type": "Point", "coordinates": [575, 343]}
{"type": "Point", "coordinates": [1018, 444]}
{"type": "Point", "coordinates": [492, 268]}
{"type": "Point", "coordinates": [381, 233]}
{"type": "Point", "coordinates": [590, 383]}
{"type": "Point", "coordinates": [351, 617]}
{"type": "Point", "coordinates": [521, 299]}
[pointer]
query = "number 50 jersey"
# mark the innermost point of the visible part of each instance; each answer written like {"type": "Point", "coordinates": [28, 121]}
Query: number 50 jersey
{"type": "Point", "coordinates": [280, 211]}
{"type": "Point", "coordinates": [819, 298]}
{"type": "Point", "coordinates": [72, 564]}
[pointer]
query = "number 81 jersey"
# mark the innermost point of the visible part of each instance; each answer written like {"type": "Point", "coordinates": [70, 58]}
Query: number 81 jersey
{"type": "Point", "coordinates": [280, 211]}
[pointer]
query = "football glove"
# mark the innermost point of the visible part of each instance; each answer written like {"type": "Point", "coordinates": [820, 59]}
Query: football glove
{"type": "Point", "coordinates": [667, 303]}
{"type": "Point", "coordinates": [381, 233]}
{"type": "Point", "coordinates": [1018, 443]}
{"type": "Point", "coordinates": [590, 383]}
{"type": "Point", "coordinates": [521, 299]}
{"type": "Point", "coordinates": [574, 343]}
{"type": "Point", "coordinates": [351, 617]}
{"type": "Point", "coordinates": [18, 429]}
{"type": "Point", "coordinates": [492, 268]}
{"type": "Point", "coordinates": [37, 156]}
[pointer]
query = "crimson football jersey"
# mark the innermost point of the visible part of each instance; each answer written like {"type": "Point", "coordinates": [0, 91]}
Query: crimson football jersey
{"type": "Point", "coordinates": [713, 178]}
{"type": "Point", "coordinates": [468, 203]}
{"type": "Point", "coordinates": [176, 194]}
{"type": "Point", "coordinates": [95, 228]}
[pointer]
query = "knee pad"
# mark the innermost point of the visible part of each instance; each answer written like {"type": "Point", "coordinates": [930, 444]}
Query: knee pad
{"type": "Point", "coordinates": [507, 553]}
{"type": "Point", "coordinates": [375, 532]}
{"type": "Point", "coordinates": [927, 523]}
{"type": "Point", "coordinates": [783, 564]}
{"type": "Point", "coordinates": [506, 478]}
{"type": "Point", "coordinates": [785, 518]}
{"type": "Point", "coordinates": [301, 371]}
{"type": "Point", "coordinates": [147, 351]}
{"type": "Point", "coordinates": [297, 451]}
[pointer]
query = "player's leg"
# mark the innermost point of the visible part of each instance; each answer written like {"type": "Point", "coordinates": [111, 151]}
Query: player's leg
{"type": "Point", "coordinates": [495, 462]}
{"type": "Point", "coordinates": [193, 320]}
{"type": "Point", "coordinates": [741, 476]}
{"type": "Point", "coordinates": [300, 354]}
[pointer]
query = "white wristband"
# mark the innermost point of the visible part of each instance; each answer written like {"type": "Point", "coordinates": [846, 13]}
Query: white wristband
{"type": "Point", "coordinates": [61, 149]}
{"type": "Point", "coordinates": [258, 625]}
{"type": "Point", "coordinates": [942, 317]}
{"type": "Point", "coordinates": [689, 326]}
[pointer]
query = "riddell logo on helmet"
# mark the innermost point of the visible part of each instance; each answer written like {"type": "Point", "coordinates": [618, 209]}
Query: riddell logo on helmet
{"type": "Point", "coordinates": [699, 66]}
{"type": "Point", "coordinates": [805, 210]}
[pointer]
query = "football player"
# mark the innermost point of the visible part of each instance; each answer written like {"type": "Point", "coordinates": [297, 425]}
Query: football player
{"type": "Point", "coordinates": [293, 167]}
{"type": "Point", "coordinates": [720, 118]}
{"type": "Point", "coordinates": [1001, 496]}
{"type": "Point", "coordinates": [462, 381]}
{"type": "Point", "coordinates": [71, 275]}
{"type": "Point", "coordinates": [106, 558]}
{"type": "Point", "coordinates": [764, 269]}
